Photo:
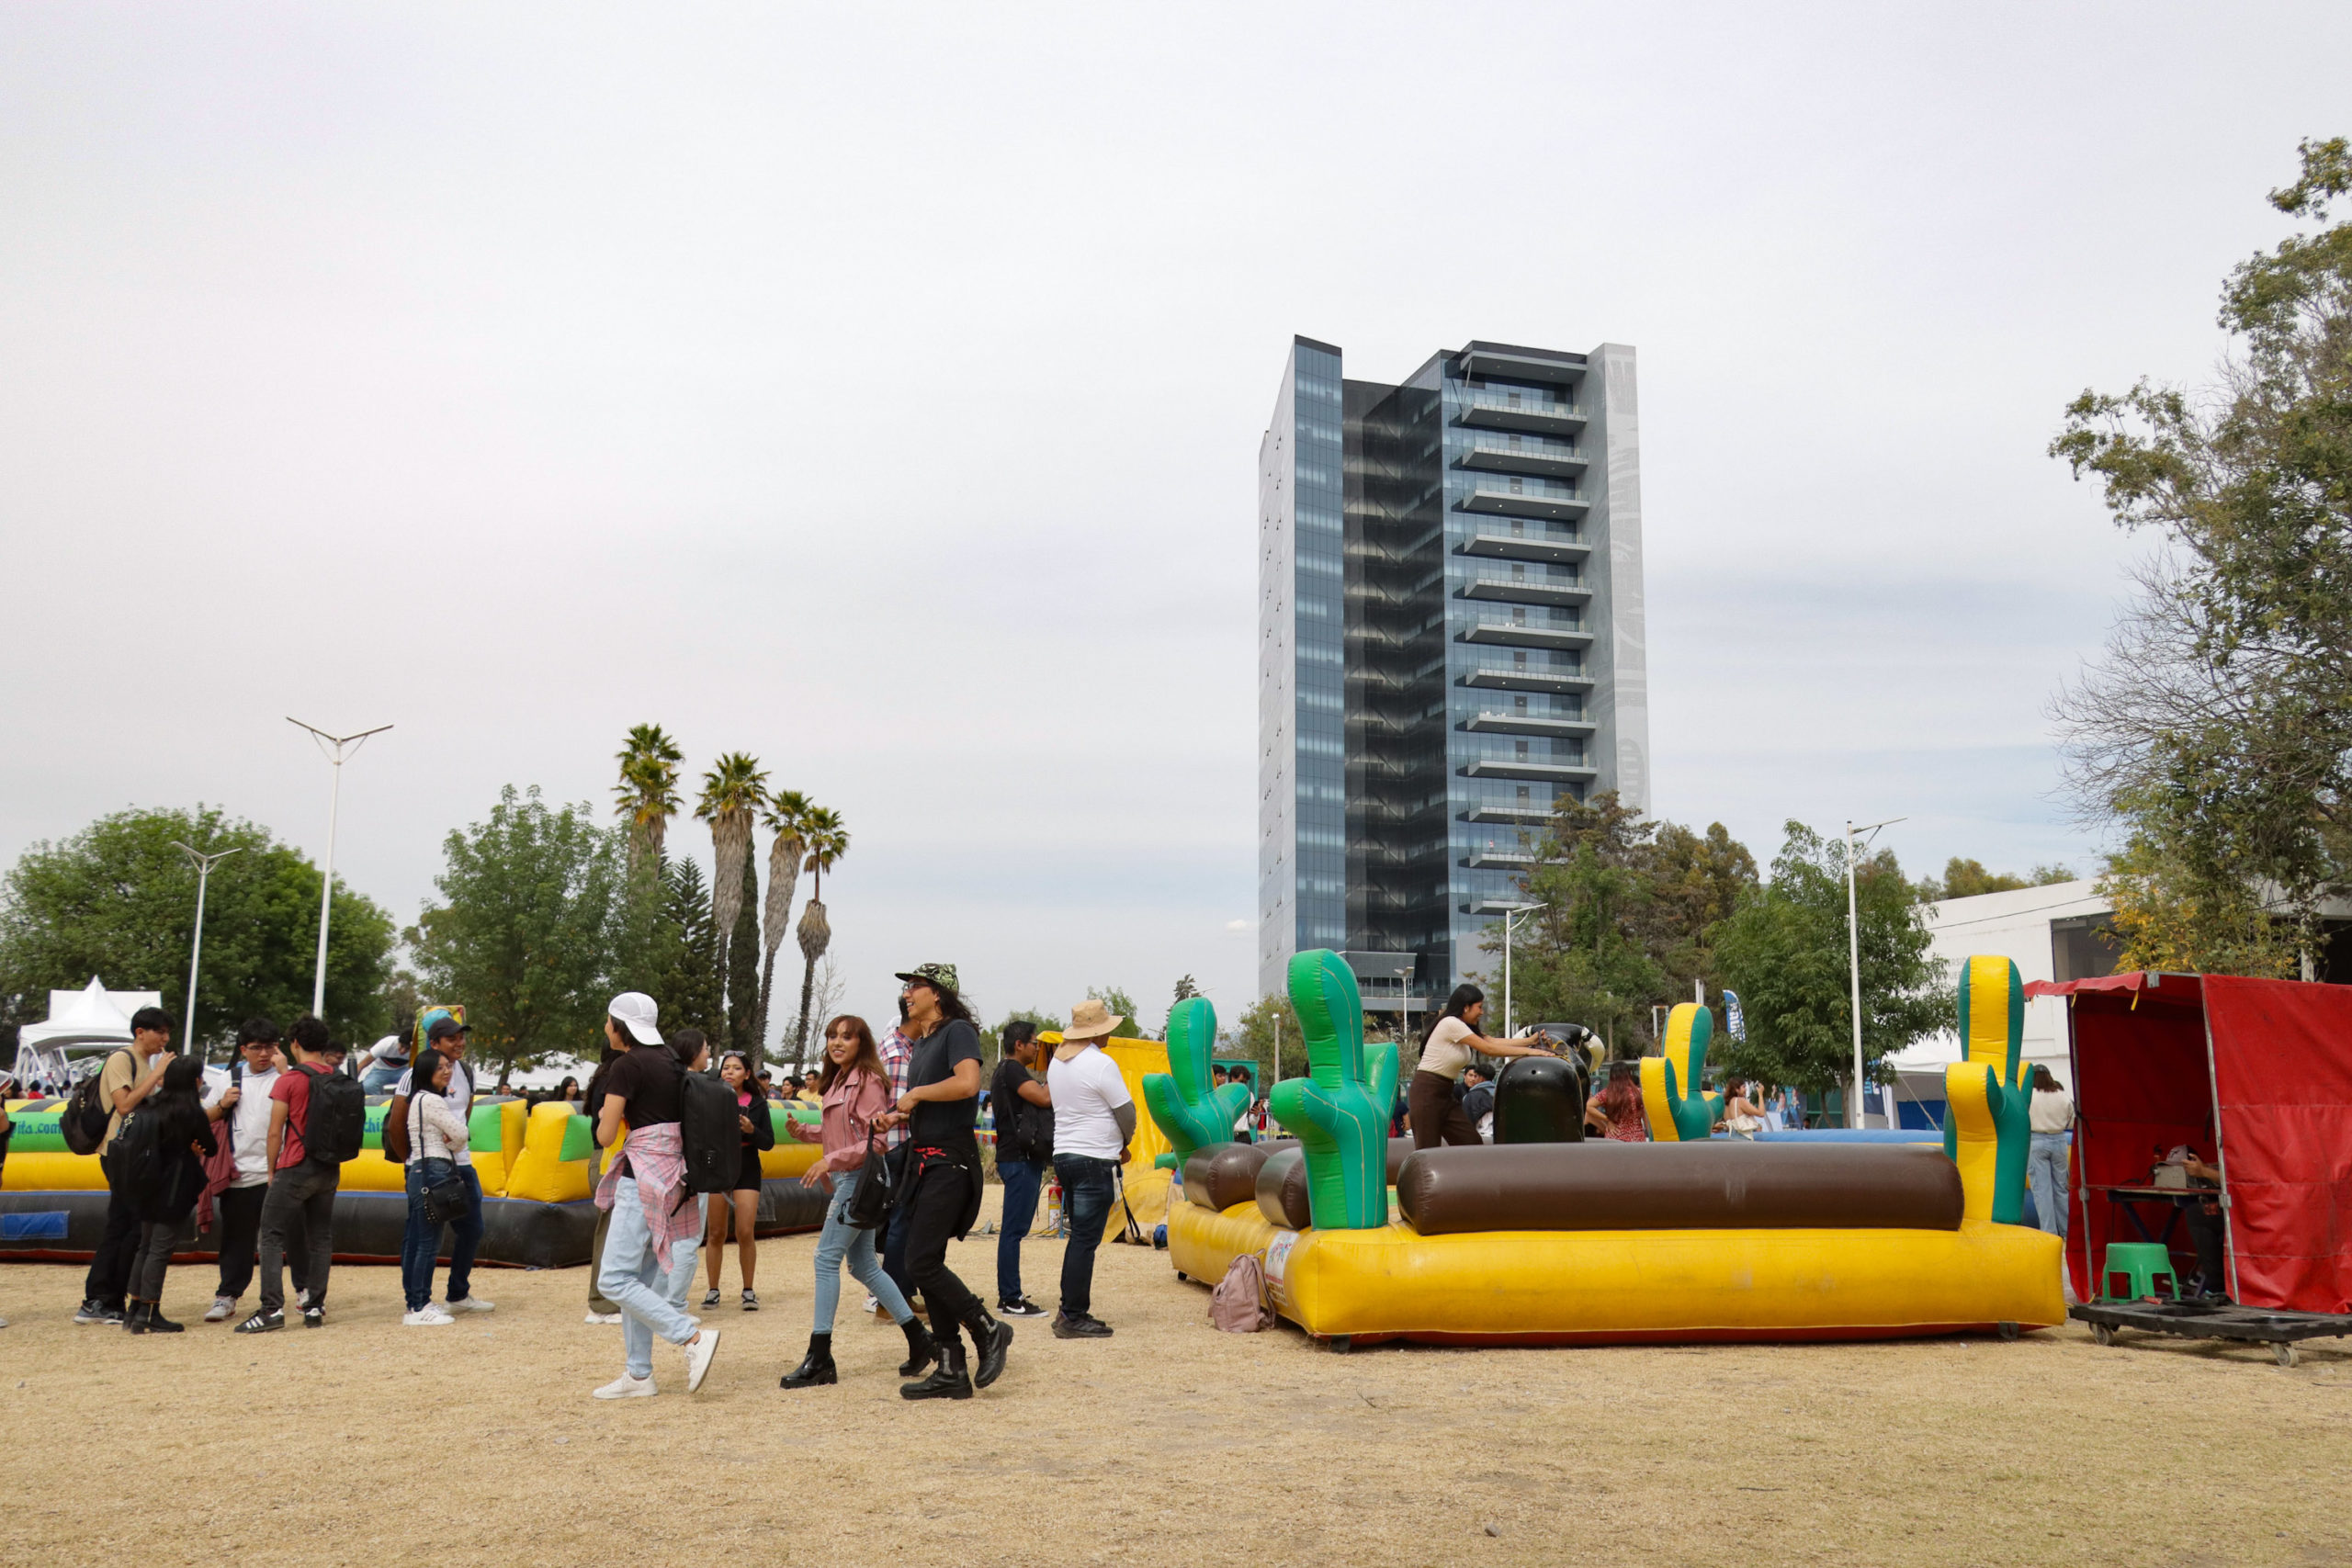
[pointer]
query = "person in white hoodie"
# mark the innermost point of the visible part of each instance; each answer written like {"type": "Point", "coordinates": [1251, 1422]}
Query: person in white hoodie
{"type": "Point", "coordinates": [243, 1101]}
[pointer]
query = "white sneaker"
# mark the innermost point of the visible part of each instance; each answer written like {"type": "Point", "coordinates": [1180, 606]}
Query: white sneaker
{"type": "Point", "coordinates": [471, 1304]}
{"type": "Point", "coordinates": [602, 1317]}
{"type": "Point", "coordinates": [224, 1309]}
{"type": "Point", "coordinates": [426, 1316]}
{"type": "Point", "coordinates": [626, 1387]}
{"type": "Point", "coordinates": [700, 1352]}
{"type": "Point", "coordinates": [873, 1304]}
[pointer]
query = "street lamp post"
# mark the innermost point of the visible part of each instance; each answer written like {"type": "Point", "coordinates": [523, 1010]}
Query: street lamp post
{"type": "Point", "coordinates": [331, 747]}
{"type": "Point", "coordinates": [204, 864]}
{"type": "Point", "coordinates": [1854, 955]}
{"type": "Point", "coordinates": [1511, 914]}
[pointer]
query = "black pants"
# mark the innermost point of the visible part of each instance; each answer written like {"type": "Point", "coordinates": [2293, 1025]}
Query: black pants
{"type": "Point", "coordinates": [1087, 1195]}
{"type": "Point", "coordinates": [1437, 1117]}
{"type": "Point", "coordinates": [2205, 1230]}
{"type": "Point", "coordinates": [935, 1212]}
{"type": "Point", "coordinates": [111, 1265]}
{"type": "Point", "coordinates": [155, 1257]}
{"type": "Point", "coordinates": [300, 1200]}
{"type": "Point", "coordinates": [894, 1234]}
{"type": "Point", "coordinates": [236, 1223]}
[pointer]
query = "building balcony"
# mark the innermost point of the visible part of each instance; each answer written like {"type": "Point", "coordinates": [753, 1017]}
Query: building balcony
{"type": "Point", "coordinates": [1526, 590]}
{"type": "Point", "coordinates": [1501, 411]}
{"type": "Point", "coordinates": [1524, 634]}
{"type": "Point", "coordinates": [1528, 723]}
{"type": "Point", "coordinates": [1497, 500]}
{"type": "Point", "coordinates": [1562, 549]}
{"type": "Point", "coordinates": [1560, 680]}
{"type": "Point", "coordinates": [1555, 462]}
{"type": "Point", "coordinates": [1527, 767]}
{"type": "Point", "coordinates": [1526, 816]}
{"type": "Point", "coordinates": [1501, 362]}
{"type": "Point", "coordinates": [1499, 860]}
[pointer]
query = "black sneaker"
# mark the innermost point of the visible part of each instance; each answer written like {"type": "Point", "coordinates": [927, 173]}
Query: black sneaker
{"type": "Point", "coordinates": [314, 1318]}
{"type": "Point", "coordinates": [263, 1322]}
{"type": "Point", "coordinates": [98, 1312]}
{"type": "Point", "coordinates": [1019, 1306]}
{"type": "Point", "coordinates": [1082, 1327]}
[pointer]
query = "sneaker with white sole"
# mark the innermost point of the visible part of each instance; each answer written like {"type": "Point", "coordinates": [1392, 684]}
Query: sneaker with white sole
{"type": "Point", "coordinates": [873, 1304]}
{"type": "Point", "coordinates": [626, 1387]}
{"type": "Point", "coordinates": [700, 1351]}
{"type": "Point", "coordinates": [751, 1301]}
{"type": "Point", "coordinates": [426, 1316]}
{"type": "Point", "coordinates": [602, 1317]}
{"type": "Point", "coordinates": [471, 1304]}
{"type": "Point", "coordinates": [223, 1308]}
{"type": "Point", "coordinates": [1019, 1306]}
{"type": "Point", "coordinates": [710, 1297]}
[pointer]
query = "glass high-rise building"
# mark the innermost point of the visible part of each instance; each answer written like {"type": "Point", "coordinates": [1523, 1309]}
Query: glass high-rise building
{"type": "Point", "coordinates": [1450, 639]}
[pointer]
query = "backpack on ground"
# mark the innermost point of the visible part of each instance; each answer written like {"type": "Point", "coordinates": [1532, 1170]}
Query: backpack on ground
{"type": "Point", "coordinates": [85, 1120]}
{"type": "Point", "coordinates": [336, 1127]}
{"type": "Point", "coordinates": [1238, 1305]}
{"type": "Point", "coordinates": [708, 1132]}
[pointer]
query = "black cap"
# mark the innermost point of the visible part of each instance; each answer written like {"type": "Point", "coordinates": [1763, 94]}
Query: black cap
{"type": "Point", "coordinates": [443, 1027]}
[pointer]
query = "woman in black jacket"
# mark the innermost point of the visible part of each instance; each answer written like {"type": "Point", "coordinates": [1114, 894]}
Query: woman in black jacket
{"type": "Point", "coordinates": [165, 1173]}
{"type": "Point", "coordinates": [752, 1115]}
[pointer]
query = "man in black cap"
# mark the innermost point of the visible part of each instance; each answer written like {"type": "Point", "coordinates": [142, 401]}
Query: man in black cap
{"type": "Point", "coordinates": [939, 1110]}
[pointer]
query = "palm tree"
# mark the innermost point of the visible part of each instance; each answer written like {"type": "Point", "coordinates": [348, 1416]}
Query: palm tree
{"type": "Point", "coordinates": [733, 789]}
{"type": "Point", "coordinates": [828, 840]}
{"type": "Point", "coordinates": [648, 791]}
{"type": "Point", "coordinates": [785, 814]}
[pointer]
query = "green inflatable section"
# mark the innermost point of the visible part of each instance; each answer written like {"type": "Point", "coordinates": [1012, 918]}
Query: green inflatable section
{"type": "Point", "coordinates": [1694, 1114]}
{"type": "Point", "coordinates": [1339, 1110]}
{"type": "Point", "coordinates": [1190, 1110]}
{"type": "Point", "coordinates": [39, 1132]}
{"type": "Point", "coordinates": [2011, 1101]}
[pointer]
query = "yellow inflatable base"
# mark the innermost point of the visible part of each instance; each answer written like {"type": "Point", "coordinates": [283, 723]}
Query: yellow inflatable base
{"type": "Point", "coordinates": [1633, 1287]}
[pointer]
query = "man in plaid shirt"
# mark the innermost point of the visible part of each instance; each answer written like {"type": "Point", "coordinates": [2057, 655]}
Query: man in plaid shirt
{"type": "Point", "coordinates": [898, 1055]}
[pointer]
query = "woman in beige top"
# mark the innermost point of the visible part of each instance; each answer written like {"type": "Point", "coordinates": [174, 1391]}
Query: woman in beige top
{"type": "Point", "coordinates": [1436, 1115]}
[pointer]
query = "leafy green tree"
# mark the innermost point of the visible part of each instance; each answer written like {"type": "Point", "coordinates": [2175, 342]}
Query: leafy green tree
{"type": "Point", "coordinates": [2218, 727]}
{"type": "Point", "coordinates": [1268, 1021]}
{"type": "Point", "coordinates": [648, 792]}
{"type": "Point", "coordinates": [1785, 951]}
{"type": "Point", "coordinates": [533, 907]}
{"type": "Point", "coordinates": [118, 900]}
{"type": "Point", "coordinates": [1967, 878]}
{"type": "Point", "coordinates": [1119, 1003]}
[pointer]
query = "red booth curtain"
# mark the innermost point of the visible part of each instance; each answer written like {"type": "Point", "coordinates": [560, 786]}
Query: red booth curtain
{"type": "Point", "coordinates": [2282, 1064]}
{"type": "Point", "coordinates": [2141, 1086]}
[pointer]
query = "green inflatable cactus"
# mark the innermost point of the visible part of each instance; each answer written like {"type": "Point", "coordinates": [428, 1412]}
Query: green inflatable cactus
{"type": "Point", "coordinates": [1339, 1110]}
{"type": "Point", "coordinates": [1190, 1112]}
{"type": "Point", "coordinates": [1992, 1040]}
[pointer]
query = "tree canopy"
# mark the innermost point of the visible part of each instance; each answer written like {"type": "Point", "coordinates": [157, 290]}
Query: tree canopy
{"type": "Point", "coordinates": [1967, 878]}
{"type": "Point", "coordinates": [2218, 727]}
{"type": "Point", "coordinates": [118, 900]}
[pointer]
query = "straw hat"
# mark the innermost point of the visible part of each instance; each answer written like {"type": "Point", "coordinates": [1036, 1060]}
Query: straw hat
{"type": "Point", "coordinates": [1090, 1020]}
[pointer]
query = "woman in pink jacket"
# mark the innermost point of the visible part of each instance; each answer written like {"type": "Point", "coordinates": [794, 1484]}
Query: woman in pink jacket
{"type": "Point", "coordinates": [854, 1089]}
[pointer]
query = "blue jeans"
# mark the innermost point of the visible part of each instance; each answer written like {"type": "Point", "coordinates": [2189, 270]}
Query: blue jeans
{"type": "Point", "coordinates": [841, 1243]}
{"type": "Point", "coordinates": [650, 1302]}
{"type": "Point", "coordinates": [1022, 1178]}
{"type": "Point", "coordinates": [421, 1241]}
{"type": "Point", "coordinates": [2045, 1166]}
{"type": "Point", "coordinates": [1086, 1199]}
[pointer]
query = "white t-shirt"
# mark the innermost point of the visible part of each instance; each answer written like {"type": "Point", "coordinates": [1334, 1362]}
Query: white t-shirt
{"type": "Point", "coordinates": [249, 1125]}
{"type": "Point", "coordinates": [1087, 1089]}
{"type": "Point", "coordinates": [2051, 1112]}
{"type": "Point", "coordinates": [459, 1097]}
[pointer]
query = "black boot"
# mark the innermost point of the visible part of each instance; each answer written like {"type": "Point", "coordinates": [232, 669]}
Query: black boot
{"type": "Point", "coordinates": [921, 1351]}
{"type": "Point", "coordinates": [818, 1368]}
{"type": "Point", "coordinates": [949, 1382]}
{"type": "Point", "coordinates": [992, 1339]}
{"type": "Point", "coordinates": [158, 1323]}
{"type": "Point", "coordinates": [136, 1319]}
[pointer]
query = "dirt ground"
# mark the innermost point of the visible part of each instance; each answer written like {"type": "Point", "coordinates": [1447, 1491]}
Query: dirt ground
{"type": "Point", "coordinates": [369, 1443]}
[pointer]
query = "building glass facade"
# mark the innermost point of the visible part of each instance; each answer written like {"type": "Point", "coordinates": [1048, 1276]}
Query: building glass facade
{"type": "Point", "coordinates": [1450, 639]}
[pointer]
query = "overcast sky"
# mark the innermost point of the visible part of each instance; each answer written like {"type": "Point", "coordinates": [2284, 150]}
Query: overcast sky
{"type": "Point", "coordinates": [878, 391]}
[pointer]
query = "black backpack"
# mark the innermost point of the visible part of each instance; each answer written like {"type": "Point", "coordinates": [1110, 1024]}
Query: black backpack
{"type": "Point", "coordinates": [708, 1132]}
{"type": "Point", "coordinates": [85, 1120]}
{"type": "Point", "coordinates": [138, 1153]}
{"type": "Point", "coordinates": [337, 1125]}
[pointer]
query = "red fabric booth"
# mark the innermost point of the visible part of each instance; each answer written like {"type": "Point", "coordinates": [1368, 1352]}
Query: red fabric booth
{"type": "Point", "coordinates": [2257, 1072]}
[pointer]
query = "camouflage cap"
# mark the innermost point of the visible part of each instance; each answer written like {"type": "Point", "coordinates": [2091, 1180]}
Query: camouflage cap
{"type": "Point", "coordinates": [939, 976]}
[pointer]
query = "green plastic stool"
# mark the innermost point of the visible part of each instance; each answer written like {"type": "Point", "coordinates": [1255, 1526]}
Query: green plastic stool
{"type": "Point", "coordinates": [2143, 1262]}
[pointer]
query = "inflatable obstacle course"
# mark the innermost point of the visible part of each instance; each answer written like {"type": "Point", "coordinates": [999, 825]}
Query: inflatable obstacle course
{"type": "Point", "coordinates": [1687, 1239]}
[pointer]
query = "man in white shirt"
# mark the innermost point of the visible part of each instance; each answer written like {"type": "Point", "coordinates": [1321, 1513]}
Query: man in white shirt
{"type": "Point", "coordinates": [421, 1240]}
{"type": "Point", "coordinates": [1094, 1118]}
{"type": "Point", "coordinates": [242, 1102]}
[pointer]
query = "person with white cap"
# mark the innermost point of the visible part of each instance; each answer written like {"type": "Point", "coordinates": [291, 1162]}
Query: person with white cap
{"type": "Point", "coordinates": [656, 1224]}
{"type": "Point", "coordinates": [1094, 1119]}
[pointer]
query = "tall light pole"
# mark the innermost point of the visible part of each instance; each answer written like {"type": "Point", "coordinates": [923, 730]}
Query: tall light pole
{"type": "Point", "coordinates": [1854, 955]}
{"type": "Point", "coordinates": [204, 864]}
{"type": "Point", "coordinates": [1511, 914]}
{"type": "Point", "coordinates": [331, 747]}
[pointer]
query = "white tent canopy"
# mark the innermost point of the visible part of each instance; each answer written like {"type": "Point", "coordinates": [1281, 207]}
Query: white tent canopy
{"type": "Point", "coordinates": [91, 1016]}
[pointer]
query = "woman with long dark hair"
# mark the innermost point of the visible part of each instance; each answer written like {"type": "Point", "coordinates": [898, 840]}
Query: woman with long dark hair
{"type": "Point", "coordinates": [166, 1173]}
{"type": "Point", "coordinates": [1435, 1109]}
{"type": "Point", "coordinates": [1616, 1111]}
{"type": "Point", "coordinates": [855, 1091]}
{"type": "Point", "coordinates": [751, 1114]}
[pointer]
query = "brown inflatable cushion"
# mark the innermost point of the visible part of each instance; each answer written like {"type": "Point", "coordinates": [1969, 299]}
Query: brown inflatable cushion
{"type": "Point", "coordinates": [1730, 1184]}
{"type": "Point", "coordinates": [1218, 1176]}
{"type": "Point", "coordinates": [1282, 1181]}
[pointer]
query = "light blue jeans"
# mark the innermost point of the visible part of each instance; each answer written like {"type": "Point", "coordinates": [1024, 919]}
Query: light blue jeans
{"type": "Point", "coordinates": [841, 1243]}
{"type": "Point", "coordinates": [632, 1280]}
{"type": "Point", "coordinates": [2045, 1166]}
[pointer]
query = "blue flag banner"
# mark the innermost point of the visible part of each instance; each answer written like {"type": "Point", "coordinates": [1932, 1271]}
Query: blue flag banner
{"type": "Point", "coordinates": [1731, 1019]}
